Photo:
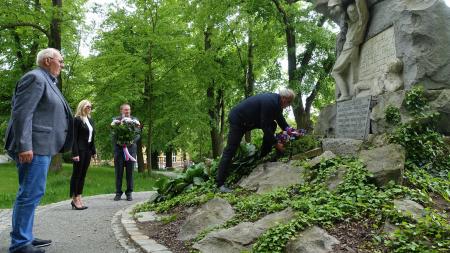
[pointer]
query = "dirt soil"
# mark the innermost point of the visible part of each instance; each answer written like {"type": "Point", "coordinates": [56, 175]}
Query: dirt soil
{"type": "Point", "coordinates": [166, 233]}
{"type": "Point", "coordinates": [355, 236]}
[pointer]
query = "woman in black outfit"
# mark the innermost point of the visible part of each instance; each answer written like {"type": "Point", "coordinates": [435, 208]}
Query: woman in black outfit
{"type": "Point", "coordinates": [82, 151]}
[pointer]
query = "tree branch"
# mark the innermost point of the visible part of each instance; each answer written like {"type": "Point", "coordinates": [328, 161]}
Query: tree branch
{"type": "Point", "coordinates": [237, 46]}
{"type": "Point", "coordinates": [282, 11]}
{"type": "Point", "coordinates": [24, 24]}
{"type": "Point", "coordinates": [327, 66]}
{"type": "Point", "coordinates": [308, 54]}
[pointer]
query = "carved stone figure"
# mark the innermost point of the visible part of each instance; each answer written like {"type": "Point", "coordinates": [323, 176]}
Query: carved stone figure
{"type": "Point", "coordinates": [347, 62]}
{"type": "Point", "coordinates": [338, 16]}
{"type": "Point", "coordinates": [391, 80]}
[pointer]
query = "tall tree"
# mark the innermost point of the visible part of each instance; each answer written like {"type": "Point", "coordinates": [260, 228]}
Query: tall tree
{"type": "Point", "coordinates": [317, 44]}
{"type": "Point", "coordinates": [31, 25]}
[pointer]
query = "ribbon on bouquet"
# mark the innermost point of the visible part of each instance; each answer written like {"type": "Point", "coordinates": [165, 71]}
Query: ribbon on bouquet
{"type": "Point", "coordinates": [127, 154]}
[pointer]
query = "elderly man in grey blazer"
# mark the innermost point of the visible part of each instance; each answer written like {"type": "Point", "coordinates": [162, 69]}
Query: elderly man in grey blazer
{"type": "Point", "coordinates": [41, 125]}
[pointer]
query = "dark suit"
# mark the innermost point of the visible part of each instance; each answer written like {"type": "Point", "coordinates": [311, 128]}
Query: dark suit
{"type": "Point", "coordinates": [85, 150]}
{"type": "Point", "coordinates": [120, 163]}
{"type": "Point", "coordinates": [256, 112]}
{"type": "Point", "coordinates": [41, 121]}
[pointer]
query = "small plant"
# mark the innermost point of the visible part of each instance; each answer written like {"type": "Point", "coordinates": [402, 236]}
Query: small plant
{"type": "Point", "coordinates": [392, 115]}
{"type": "Point", "coordinates": [169, 218]}
{"type": "Point", "coordinates": [425, 147]}
{"type": "Point", "coordinates": [301, 145]}
{"type": "Point", "coordinates": [415, 101]}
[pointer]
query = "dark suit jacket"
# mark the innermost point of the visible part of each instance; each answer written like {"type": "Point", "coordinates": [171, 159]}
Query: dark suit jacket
{"type": "Point", "coordinates": [41, 119]}
{"type": "Point", "coordinates": [131, 148]}
{"type": "Point", "coordinates": [81, 136]}
{"type": "Point", "coordinates": [259, 111]}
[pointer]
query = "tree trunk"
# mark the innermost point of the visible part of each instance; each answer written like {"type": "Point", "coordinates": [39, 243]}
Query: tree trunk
{"type": "Point", "coordinates": [169, 158]}
{"type": "Point", "coordinates": [250, 76]}
{"type": "Point", "coordinates": [327, 67]}
{"type": "Point", "coordinates": [302, 114]}
{"type": "Point", "coordinates": [148, 101]}
{"type": "Point", "coordinates": [55, 31]}
{"type": "Point", "coordinates": [214, 109]}
{"type": "Point", "coordinates": [291, 50]}
{"type": "Point", "coordinates": [215, 132]}
{"type": "Point", "coordinates": [302, 117]}
{"type": "Point", "coordinates": [155, 160]}
{"type": "Point", "coordinates": [55, 42]}
{"type": "Point", "coordinates": [140, 156]}
{"type": "Point", "coordinates": [56, 164]}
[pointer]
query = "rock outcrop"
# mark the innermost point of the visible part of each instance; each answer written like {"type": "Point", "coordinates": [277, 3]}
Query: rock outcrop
{"type": "Point", "coordinates": [215, 212]}
{"type": "Point", "coordinates": [342, 146]}
{"type": "Point", "coordinates": [241, 237]}
{"type": "Point", "coordinates": [269, 176]}
{"type": "Point", "coordinates": [327, 155]}
{"type": "Point", "coordinates": [312, 240]}
{"type": "Point", "coordinates": [386, 163]}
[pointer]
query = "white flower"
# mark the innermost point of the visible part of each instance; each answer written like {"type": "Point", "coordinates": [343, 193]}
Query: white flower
{"type": "Point", "coordinates": [136, 122]}
{"type": "Point", "coordinates": [126, 119]}
{"type": "Point", "coordinates": [115, 122]}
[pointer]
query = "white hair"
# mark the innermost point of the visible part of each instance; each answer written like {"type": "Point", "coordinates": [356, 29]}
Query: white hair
{"type": "Point", "coordinates": [46, 53]}
{"type": "Point", "coordinates": [287, 93]}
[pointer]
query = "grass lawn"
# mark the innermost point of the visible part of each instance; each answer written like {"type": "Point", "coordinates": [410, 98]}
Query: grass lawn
{"type": "Point", "coordinates": [99, 180]}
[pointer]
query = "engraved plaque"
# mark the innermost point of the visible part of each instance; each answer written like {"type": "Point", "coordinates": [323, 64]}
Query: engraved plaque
{"type": "Point", "coordinates": [376, 53]}
{"type": "Point", "coordinates": [352, 119]}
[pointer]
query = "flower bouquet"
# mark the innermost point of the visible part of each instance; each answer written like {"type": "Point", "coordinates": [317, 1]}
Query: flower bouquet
{"type": "Point", "coordinates": [289, 134]}
{"type": "Point", "coordinates": [126, 131]}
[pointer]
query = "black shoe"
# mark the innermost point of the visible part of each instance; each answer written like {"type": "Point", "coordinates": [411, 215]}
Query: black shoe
{"type": "Point", "coordinates": [225, 189]}
{"type": "Point", "coordinates": [38, 243]}
{"type": "Point", "coordinates": [129, 197]}
{"type": "Point", "coordinates": [29, 249]}
{"type": "Point", "coordinates": [117, 197]}
{"type": "Point", "coordinates": [74, 207]}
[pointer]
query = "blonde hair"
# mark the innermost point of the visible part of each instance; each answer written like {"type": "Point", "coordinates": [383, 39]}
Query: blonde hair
{"type": "Point", "coordinates": [80, 112]}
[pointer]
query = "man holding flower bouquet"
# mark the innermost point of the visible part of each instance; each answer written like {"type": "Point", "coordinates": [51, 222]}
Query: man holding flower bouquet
{"type": "Point", "coordinates": [125, 133]}
{"type": "Point", "coordinates": [256, 112]}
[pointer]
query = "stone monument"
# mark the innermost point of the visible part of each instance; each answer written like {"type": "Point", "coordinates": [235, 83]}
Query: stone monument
{"type": "Point", "coordinates": [404, 43]}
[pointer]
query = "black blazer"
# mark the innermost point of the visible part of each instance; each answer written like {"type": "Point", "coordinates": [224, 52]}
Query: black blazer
{"type": "Point", "coordinates": [259, 111]}
{"type": "Point", "coordinates": [81, 136]}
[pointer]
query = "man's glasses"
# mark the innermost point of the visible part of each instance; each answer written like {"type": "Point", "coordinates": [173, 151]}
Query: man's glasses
{"type": "Point", "coordinates": [60, 61]}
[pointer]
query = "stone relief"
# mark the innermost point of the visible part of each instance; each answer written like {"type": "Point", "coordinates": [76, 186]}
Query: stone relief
{"type": "Point", "coordinates": [390, 80]}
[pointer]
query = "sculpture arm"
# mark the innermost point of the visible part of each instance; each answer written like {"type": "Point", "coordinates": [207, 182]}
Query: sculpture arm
{"type": "Point", "coordinates": [363, 12]}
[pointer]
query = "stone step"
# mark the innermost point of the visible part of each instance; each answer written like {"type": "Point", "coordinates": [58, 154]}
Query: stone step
{"type": "Point", "coordinates": [308, 154]}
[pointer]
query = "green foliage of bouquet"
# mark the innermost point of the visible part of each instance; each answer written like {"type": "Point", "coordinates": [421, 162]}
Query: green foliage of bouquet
{"type": "Point", "coordinates": [125, 130]}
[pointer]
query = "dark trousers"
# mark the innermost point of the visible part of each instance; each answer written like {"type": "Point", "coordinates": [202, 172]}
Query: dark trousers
{"type": "Point", "coordinates": [234, 139]}
{"type": "Point", "coordinates": [119, 164]}
{"type": "Point", "coordinates": [79, 172]}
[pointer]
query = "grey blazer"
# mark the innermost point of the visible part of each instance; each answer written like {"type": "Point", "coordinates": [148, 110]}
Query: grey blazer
{"type": "Point", "coordinates": [41, 119]}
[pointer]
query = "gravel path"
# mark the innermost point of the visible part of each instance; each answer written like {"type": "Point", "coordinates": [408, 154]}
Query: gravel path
{"type": "Point", "coordinates": [87, 231]}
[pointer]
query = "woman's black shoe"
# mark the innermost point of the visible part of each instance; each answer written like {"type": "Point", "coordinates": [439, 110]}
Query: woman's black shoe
{"type": "Point", "coordinates": [74, 207]}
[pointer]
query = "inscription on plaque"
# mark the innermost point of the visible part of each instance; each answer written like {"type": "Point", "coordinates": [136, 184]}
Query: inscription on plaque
{"type": "Point", "coordinates": [352, 119]}
{"type": "Point", "coordinates": [376, 53]}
